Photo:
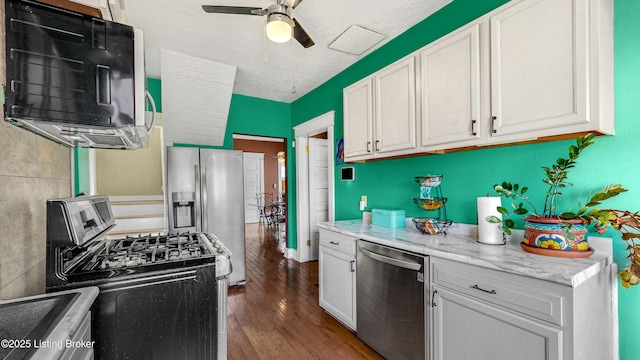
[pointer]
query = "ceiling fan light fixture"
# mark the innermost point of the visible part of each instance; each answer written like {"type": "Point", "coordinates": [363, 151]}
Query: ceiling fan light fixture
{"type": "Point", "coordinates": [278, 27]}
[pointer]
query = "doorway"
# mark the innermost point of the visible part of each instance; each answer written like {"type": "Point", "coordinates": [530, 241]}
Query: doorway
{"type": "Point", "coordinates": [273, 183]}
{"type": "Point", "coordinates": [315, 182]}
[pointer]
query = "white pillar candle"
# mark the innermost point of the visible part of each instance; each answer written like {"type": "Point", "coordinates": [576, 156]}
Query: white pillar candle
{"type": "Point", "coordinates": [489, 233]}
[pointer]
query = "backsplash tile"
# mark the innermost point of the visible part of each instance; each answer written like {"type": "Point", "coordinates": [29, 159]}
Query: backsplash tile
{"type": "Point", "coordinates": [30, 283]}
{"type": "Point", "coordinates": [54, 160]}
{"type": "Point", "coordinates": [32, 170]}
{"type": "Point", "coordinates": [18, 147]}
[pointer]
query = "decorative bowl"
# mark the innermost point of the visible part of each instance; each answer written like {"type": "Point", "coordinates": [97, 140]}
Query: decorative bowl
{"type": "Point", "coordinates": [429, 226]}
{"type": "Point", "coordinates": [429, 180]}
{"type": "Point", "coordinates": [430, 204]}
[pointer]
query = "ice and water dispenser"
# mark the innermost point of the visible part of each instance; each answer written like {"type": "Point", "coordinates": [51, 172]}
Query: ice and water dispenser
{"type": "Point", "coordinates": [184, 207]}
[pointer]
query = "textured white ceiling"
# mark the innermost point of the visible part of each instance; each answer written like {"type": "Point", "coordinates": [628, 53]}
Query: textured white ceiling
{"type": "Point", "coordinates": [265, 69]}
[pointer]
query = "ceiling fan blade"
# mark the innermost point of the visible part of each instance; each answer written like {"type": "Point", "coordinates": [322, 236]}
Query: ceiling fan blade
{"type": "Point", "coordinates": [301, 35]}
{"type": "Point", "coordinates": [241, 10]}
{"type": "Point", "coordinates": [296, 3]}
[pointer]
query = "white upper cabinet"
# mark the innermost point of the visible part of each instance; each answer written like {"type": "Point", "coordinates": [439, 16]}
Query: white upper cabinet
{"type": "Point", "coordinates": [380, 113]}
{"type": "Point", "coordinates": [450, 86]}
{"type": "Point", "coordinates": [358, 119]}
{"type": "Point", "coordinates": [539, 67]}
{"type": "Point", "coordinates": [530, 69]}
{"type": "Point", "coordinates": [395, 115]}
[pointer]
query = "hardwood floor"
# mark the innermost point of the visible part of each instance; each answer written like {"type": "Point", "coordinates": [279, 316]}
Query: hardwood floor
{"type": "Point", "coordinates": [276, 314]}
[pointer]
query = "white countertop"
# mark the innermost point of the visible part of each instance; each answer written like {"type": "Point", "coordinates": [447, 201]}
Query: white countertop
{"type": "Point", "coordinates": [464, 248]}
{"type": "Point", "coordinates": [68, 325]}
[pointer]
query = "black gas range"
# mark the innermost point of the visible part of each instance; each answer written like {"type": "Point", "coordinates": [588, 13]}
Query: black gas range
{"type": "Point", "coordinates": [162, 296]}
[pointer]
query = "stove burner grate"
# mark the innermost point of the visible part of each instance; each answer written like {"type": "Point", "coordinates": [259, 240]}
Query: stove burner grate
{"type": "Point", "coordinates": [149, 249]}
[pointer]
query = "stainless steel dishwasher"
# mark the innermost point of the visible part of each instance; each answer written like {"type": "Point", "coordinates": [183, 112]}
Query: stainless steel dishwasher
{"type": "Point", "coordinates": [392, 286]}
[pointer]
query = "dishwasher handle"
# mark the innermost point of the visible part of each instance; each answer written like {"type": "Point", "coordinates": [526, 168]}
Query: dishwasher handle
{"type": "Point", "coordinates": [392, 261]}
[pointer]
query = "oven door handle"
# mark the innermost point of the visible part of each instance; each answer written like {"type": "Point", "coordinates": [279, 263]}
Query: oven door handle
{"type": "Point", "coordinates": [148, 281]}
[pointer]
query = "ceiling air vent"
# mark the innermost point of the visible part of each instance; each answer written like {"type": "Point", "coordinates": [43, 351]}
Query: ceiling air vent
{"type": "Point", "coordinates": [356, 40]}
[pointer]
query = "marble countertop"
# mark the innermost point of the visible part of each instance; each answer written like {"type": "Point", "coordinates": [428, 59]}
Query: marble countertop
{"type": "Point", "coordinates": [462, 246]}
{"type": "Point", "coordinates": [66, 328]}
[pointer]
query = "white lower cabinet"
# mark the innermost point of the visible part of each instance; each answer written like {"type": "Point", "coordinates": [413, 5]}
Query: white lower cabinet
{"type": "Point", "coordinates": [485, 314]}
{"type": "Point", "coordinates": [337, 272]}
{"type": "Point", "coordinates": [479, 313]}
{"type": "Point", "coordinates": [465, 328]}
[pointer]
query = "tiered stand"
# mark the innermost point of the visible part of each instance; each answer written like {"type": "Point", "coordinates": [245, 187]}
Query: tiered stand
{"type": "Point", "coordinates": [432, 201]}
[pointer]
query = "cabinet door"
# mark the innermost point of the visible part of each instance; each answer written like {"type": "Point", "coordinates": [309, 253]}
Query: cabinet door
{"type": "Point", "coordinates": [539, 66]}
{"type": "Point", "coordinates": [464, 328]}
{"type": "Point", "coordinates": [358, 119]}
{"type": "Point", "coordinates": [338, 285]}
{"type": "Point", "coordinates": [395, 116]}
{"type": "Point", "coordinates": [450, 84]}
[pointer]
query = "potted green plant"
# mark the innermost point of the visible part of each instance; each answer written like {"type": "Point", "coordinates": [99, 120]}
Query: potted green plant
{"type": "Point", "coordinates": [562, 231]}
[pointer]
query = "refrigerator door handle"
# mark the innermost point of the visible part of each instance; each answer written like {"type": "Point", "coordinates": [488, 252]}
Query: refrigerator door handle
{"type": "Point", "coordinates": [205, 226]}
{"type": "Point", "coordinates": [198, 206]}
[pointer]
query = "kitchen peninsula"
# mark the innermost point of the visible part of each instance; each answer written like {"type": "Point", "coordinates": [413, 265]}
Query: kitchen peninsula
{"type": "Point", "coordinates": [499, 301]}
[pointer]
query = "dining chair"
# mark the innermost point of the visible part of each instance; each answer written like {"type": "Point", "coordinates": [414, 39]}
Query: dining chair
{"type": "Point", "coordinates": [264, 201]}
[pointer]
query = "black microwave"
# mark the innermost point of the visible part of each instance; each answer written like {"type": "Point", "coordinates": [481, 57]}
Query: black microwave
{"type": "Point", "coordinates": [76, 79]}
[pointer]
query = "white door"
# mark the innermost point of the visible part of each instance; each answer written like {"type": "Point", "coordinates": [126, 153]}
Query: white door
{"type": "Point", "coordinates": [253, 184]}
{"type": "Point", "coordinates": [318, 191]}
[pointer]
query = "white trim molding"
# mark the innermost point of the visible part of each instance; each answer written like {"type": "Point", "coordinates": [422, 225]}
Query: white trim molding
{"type": "Point", "coordinates": [317, 125]}
{"type": "Point", "coordinates": [257, 138]}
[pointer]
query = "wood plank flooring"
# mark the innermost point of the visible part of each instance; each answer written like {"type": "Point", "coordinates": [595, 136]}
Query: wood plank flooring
{"type": "Point", "coordinates": [276, 314]}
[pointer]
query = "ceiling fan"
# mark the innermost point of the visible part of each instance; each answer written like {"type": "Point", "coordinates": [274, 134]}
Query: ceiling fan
{"type": "Point", "coordinates": [279, 21]}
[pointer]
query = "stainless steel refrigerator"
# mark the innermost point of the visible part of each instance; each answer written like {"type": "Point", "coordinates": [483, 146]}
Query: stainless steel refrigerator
{"type": "Point", "coordinates": [205, 193]}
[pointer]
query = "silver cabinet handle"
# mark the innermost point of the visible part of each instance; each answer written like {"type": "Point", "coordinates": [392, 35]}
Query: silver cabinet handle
{"type": "Point", "coordinates": [492, 292]}
{"type": "Point", "coordinates": [353, 266]}
{"type": "Point", "coordinates": [392, 261]}
{"type": "Point", "coordinates": [368, 145]}
{"type": "Point", "coordinates": [377, 145]}
{"type": "Point", "coordinates": [334, 243]}
{"type": "Point", "coordinates": [473, 128]}
{"type": "Point", "coordinates": [493, 125]}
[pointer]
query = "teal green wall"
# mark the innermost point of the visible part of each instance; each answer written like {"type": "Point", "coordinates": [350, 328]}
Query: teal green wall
{"type": "Point", "coordinates": [154, 88]}
{"type": "Point", "coordinates": [81, 171]}
{"type": "Point", "coordinates": [467, 175]}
